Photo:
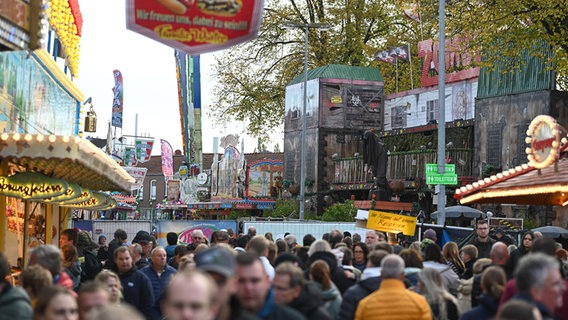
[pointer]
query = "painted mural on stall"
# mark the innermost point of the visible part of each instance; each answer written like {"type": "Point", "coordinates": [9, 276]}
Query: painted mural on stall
{"type": "Point", "coordinates": [30, 100]}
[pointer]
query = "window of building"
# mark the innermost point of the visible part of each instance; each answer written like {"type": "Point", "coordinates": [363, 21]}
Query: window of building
{"type": "Point", "coordinates": [432, 110]}
{"type": "Point", "coordinates": [153, 190]}
{"type": "Point", "coordinates": [494, 141]}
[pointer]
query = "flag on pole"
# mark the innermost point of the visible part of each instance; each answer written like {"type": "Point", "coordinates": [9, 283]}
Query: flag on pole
{"type": "Point", "coordinates": [130, 157]}
{"type": "Point", "coordinates": [117, 99]}
{"type": "Point", "coordinates": [167, 159]}
{"type": "Point", "coordinates": [384, 56]}
{"type": "Point", "coordinates": [109, 146]}
{"type": "Point", "coordinates": [400, 52]}
{"type": "Point", "coordinates": [411, 11]}
{"type": "Point", "coordinates": [143, 149]}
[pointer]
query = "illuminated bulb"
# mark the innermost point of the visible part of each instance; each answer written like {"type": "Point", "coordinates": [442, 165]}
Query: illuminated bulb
{"type": "Point", "coordinates": [528, 140]}
{"type": "Point", "coordinates": [487, 180]}
{"type": "Point", "coordinates": [65, 139]}
{"type": "Point", "coordinates": [28, 137]}
{"type": "Point", "coordinates": [458, 191]}
{"type": "Point", "coordinates": [524, 166]}
{"type": "Point", "coordinates": [52, 138]}
{"type": "Point", "coordinates": [16, 136]}
{"type": "Point", "coordinates": [4, 136]}
{"type": "Point", "coordinates": [39, 137]}
{"type": "Point", "coordinates": [517, 168]}
{"type": "Point", "coordinates": [500, 175]}
{"type": "Point", "coordinates": [528, 150]}
{"type": "Point", "coordinates": [481, 183]}
{"type": "Point", "coordinates": [469, 187]}
{"type": "Point", "coordinates": [512, 171]}
{"type": "Point", "coordinates": [564, 140]}
{"type": "Point", "coordinates": [493, 178]}
{"type": "Point", "coordinates": [476, 185]}
{"type": "Point", "coordinates": [463, 189]}
{"type": "Point", "coordinates": [555, 144]}
{"type": "Point", "coordinates": [506, 173]}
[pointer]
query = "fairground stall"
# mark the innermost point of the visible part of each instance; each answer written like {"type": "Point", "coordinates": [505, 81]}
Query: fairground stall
{"type": "Point", "coordinates": [541, 181]}
{"type": "Point", "coordinates": [44, 178]}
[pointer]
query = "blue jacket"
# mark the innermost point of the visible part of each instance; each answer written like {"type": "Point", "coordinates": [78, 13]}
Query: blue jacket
{"type": "Point", "coordinates": [137, 291]}
{"type": "Point", "coordinates": [356, 293]}
{"type": "Point", "coordinates": [487, 309]}
{"type": "Point", "coordinates": [159, 283]}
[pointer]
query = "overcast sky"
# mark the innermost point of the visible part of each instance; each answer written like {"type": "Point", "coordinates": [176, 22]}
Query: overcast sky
{"type": "Point", "coordinates": [148, 70]}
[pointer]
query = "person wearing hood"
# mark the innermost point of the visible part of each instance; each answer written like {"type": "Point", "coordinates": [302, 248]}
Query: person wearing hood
{"type": "Point", "coordinates": [14, 302]}
{"type": "Point", "coordinates": [433, 259]}
{"type": "Point", "coordinates": [370, 281]}
{"type": "Point", "coordinates": [292, 290]}
{"type": "Point", "coordinates": [90, 264]}
{"type": "Point", "coordinates": [137, 288]}
{"type": "Point", "coordinates": [321, 250]}
{"type": "Point", "coordinates": [493, 281]}
{"type": "Point", "coordinates": [319, 274]}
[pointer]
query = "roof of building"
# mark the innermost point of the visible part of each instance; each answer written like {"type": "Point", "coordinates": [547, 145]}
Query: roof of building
{"type": "Point", "coordinates": [338, 71]}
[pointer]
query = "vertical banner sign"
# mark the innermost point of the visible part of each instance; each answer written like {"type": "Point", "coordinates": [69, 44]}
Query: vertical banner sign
{"type": "Point", "coordinates": [138, 174]}
{"type": "Point", "coordinates": [143, 149]}
{"type": "Point", "coordinates": [196, 26]}
{"type": "Point", "coordinates": [167, 159]}
{"type": "Point", "coordinates": [117, 99]}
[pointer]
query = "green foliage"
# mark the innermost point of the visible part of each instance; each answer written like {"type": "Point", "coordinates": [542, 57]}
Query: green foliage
{"type": "Point", "coordinates": [340, 212]}
{"type": "Point", "coordinates": [283, 209]}
{"type": "Point", "coordinates": [236, 214]}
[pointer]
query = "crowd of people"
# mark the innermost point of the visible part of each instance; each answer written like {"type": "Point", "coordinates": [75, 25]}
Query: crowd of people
{"type": "Point", "coordinates": [250, 276]}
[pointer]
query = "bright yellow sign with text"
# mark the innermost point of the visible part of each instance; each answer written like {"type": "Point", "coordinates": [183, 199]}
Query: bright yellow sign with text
{"type": "Point", "coordinates": [390, 222]}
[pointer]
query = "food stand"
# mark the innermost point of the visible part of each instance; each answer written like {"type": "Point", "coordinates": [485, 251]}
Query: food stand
{"type": "Point", "coordinates": [42, 178]}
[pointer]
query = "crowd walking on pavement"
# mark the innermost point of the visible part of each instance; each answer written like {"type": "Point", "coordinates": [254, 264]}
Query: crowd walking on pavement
{"type": "Point", "coordinates": [232, 275]}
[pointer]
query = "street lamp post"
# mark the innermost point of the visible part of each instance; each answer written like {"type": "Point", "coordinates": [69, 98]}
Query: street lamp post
{"type": "Point", "coordinates": [306, 27]}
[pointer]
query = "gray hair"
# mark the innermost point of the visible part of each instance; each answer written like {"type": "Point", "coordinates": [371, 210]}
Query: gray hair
{"type": "Point", "coordinates": [392, 267]}
{"type": "Point", "coordinates": [533, 270]}
{"type": "Point", "coordinates": [319, 245]}
{"type": "Point", "coordinates": [47, 256]}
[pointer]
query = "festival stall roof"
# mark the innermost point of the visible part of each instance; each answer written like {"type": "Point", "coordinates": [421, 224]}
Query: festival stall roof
{"type": "Point", "coordinates": [72, 159]}
{"type": "Point", "coordinates": [522, 185]}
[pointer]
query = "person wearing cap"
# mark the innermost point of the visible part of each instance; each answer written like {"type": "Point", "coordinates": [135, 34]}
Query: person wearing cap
{"type": "Point", "coordinates": [159, 273]}
{"type": "Point", "coordinates": [254, 290]}
{"type": "Point", "coordinates": [219, 262]}
{"type": "Point", "coordinates": [430, 234]}
{"type": "Point", "coordinates": [145, 240]}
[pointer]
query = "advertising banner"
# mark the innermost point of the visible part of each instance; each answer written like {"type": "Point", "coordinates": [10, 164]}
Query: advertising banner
{"type": "Point", "coordinates": [167, 159]}
{"type": "Point", "coordinates": [130, 156]}
{"type": "Point", "coordinates": [144, 149]}
{"type": "Point", "coordinates": [184, 229]}
{"type": "Point", "coordinates": [173, 189]}
{"type": "Point", "coordinates": [137, 173]}
{"type": "Point", "coordinates": [390, 222]}
{"type": "Point", "coordinates": [196, 26]}
{"type": "Point", "coordinates": [118, 91]}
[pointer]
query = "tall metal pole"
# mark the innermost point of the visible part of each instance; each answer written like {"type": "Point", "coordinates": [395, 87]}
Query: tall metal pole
{"type": "Point", "coordinates": [442, 112]}
{"type": "Point", "coordinates": [304, 129]}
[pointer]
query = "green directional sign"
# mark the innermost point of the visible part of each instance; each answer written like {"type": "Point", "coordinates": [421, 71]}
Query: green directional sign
{"type": "Point", "coordinates": [433, 168]}
{"type": "Point", "coordinates": [443, 178]}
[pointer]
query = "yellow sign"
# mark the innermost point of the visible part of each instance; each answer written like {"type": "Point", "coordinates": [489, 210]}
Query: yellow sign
{"type": "Point", "coordinates": [390, 222]}
{"type": "Point", "coordinates": [73, 191]}
{"type": "Point", "coordinates": [31, 186]}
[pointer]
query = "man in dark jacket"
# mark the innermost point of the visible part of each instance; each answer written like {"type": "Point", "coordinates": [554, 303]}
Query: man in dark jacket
{"type": "Point", "coordinates": [292, 290]}
{"type": "Point", "coordinates": [14, 302]}
{"type": "Point", "coordinates": [254, 292]}
{"type": "Point", "coordinates": [90, 265]}
{"type": "Point", "coordinates": [119, 240]}
{"type": "Point", "coordinates": [370, 281]}
{"type": "Point", "coordinates": [137, 288]}
{"type": "Point", "coordinates": [483, 241]}
{"type": "Point", "coordinates": [159, 274]}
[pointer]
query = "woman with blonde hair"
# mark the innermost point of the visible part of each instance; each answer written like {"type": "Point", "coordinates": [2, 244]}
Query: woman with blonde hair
{"type": "Point", "coordinates": [452, 256]}
{"type": "Point", "coordinates": [111, 281]}
{"type": "Point", "coordinates": [320, 275]}
{"type": "Point", "coordinates": [493, 281]}
{"type": "Point", "coordinates": [443, 304]}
